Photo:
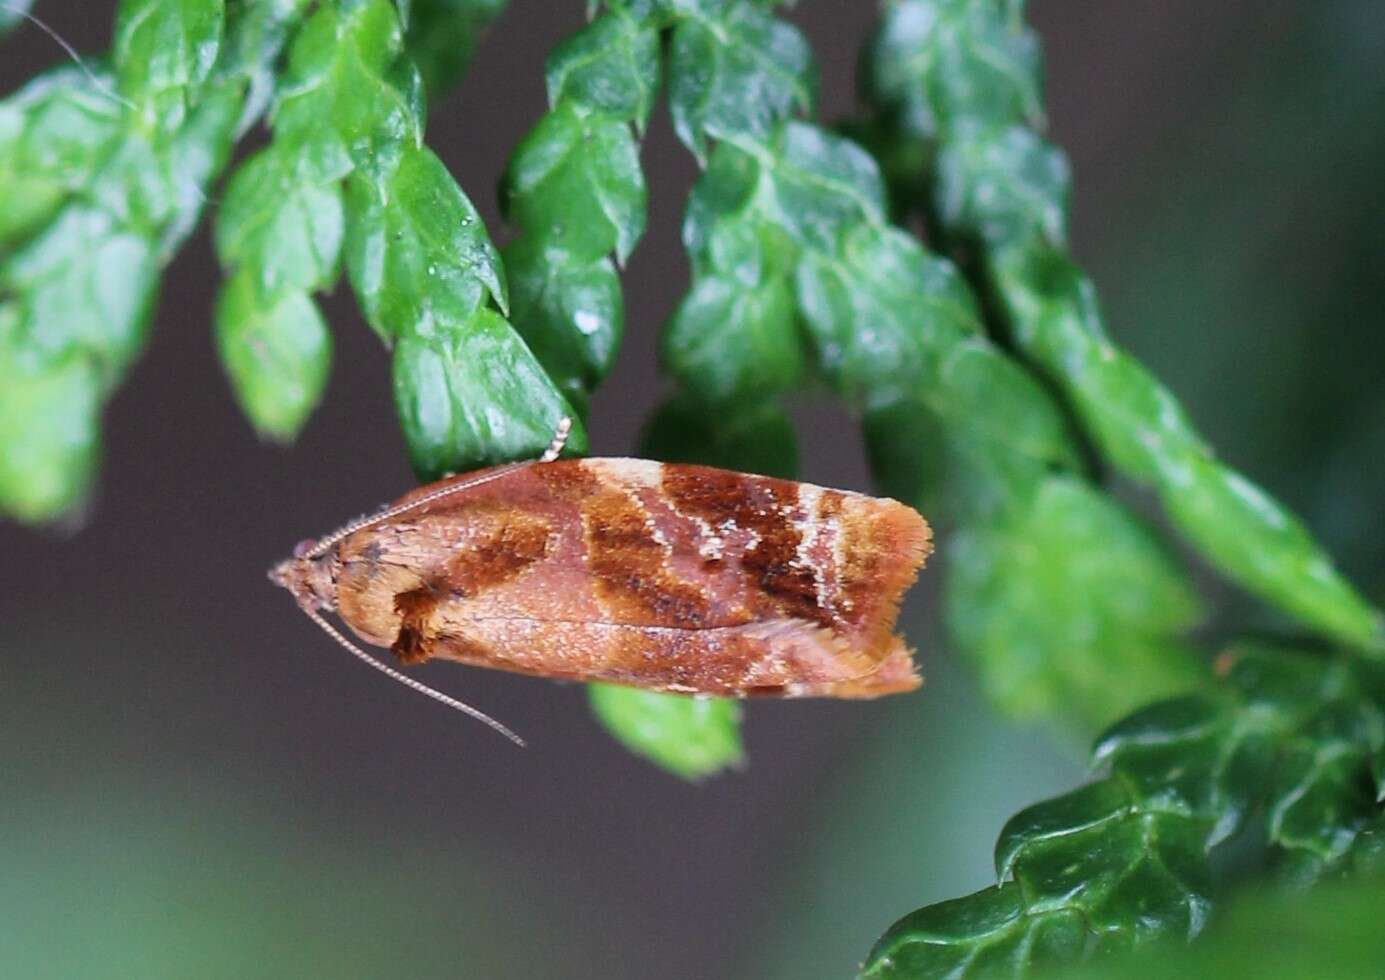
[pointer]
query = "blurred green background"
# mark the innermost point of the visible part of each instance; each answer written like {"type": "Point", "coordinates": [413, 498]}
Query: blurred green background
{"type": "Point", "coordinates": [196, 783]}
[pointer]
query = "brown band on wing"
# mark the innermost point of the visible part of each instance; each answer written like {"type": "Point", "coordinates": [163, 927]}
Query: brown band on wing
{"type": "Point", "coordinates": [515, 541]}
{"type": "Point", "coordinates": [629, 565]}
{"type": "Point", "coordinates": [415, 608]}
{"type": "Point", "coordinates": [767, 511]}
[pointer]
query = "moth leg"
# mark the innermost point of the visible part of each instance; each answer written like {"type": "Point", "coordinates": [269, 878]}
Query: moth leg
{"type": "Point", "coordinates": [559, 440]}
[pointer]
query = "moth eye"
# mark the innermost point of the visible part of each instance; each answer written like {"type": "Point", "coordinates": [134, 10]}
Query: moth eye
{"type": "Point", "coordinates": [301, 549]}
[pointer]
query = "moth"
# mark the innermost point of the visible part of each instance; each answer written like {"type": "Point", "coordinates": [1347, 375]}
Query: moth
{"type": "Point", "coordinates": [663, 576]}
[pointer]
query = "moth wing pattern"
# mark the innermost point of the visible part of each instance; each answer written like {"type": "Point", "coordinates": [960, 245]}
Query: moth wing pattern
{"type": "Point", "coordinates": [671, 577]}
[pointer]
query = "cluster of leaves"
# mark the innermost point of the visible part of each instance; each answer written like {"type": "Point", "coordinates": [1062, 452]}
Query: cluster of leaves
{"type": "Point", "coordinates": [1068, 602]}
{"type": "Point", "coordinates": [346, 176]}
{"type": "Point", "coordinates": [800, 277]}
{"type": "Point", "coordinates": [956, 112]}
{"type": "Point", "coordinates": [1292, 739]}
{"type": "Point", "coordinates": [955, 89]}
{"type": "Point", "coordinates": [104, 171]}
{"type": "Point", "coordinates": [1277, 936]}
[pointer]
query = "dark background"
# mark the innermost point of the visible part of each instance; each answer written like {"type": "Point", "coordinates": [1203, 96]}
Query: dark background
{"type": "Point", "coordinates": [194, 781]}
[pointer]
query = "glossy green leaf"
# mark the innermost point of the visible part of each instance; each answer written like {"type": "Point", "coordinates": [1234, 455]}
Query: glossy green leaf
{"type": "Point", "coordinates": [880, 311]}
{"type": "Point", "coordinates": [276, 351]}
{"type": "Point", "coordinates": [575, 190]}
{"type": "Point", "coordinates": [954, 84]}
{"type": "Point", "coordinates": [756, 439]}
{"type": "Point", "coordinates": [998, 187]}
{"type": "Point", "coordinates": [346, 95]}
{"type": "Point", "coordinates": [805, 189]}
{"type": "Point", "coordinates": [569, 310]}
{"type": "Point", "coordinates": [987, 934]}
{"type": "Point", "coordinates": [1138, 425]}
{"type": "Point", "coordinates": [1004, 429]}
{"type": "Point", "coordinates": [935, 61]}
{"type": "Point", "coordinates": [727, 226]}
{"type": "Point", "coordinates": [611, 67]}
{"type": "Point", "coordinates": [690, 737]}
{"type": "Point", "coordinates": [1288, 740]}
{"type": "Point", "coordinates": [418, 254]}
{"type": "Point", "coordinates": [1070, 607]}
{"type": "Point", "coordinates": [824, 185]}
{"type": "Point", "coordinates": [577, 177]}
{"type": "Point", "coordinates": [1268, 935]}
{"type": "Point", "coordinates": [164, 48]}
{"type": "Point", "coordinates": [471, 394]}
{"type": "Point", "coordinates": [284, 227]}
{"type": "Point", "coordinates": [735, 72]}
{"type": "Point", "coordinates": [106, 185]}
{"type": "Point", "coordinates": [54, 133]}
{"type": "Point", "coordinates": [49, 427]}
{"type": "Point", "coordinates": [733, 344]}
{"type": "Point", "coordinates": [84, 285]}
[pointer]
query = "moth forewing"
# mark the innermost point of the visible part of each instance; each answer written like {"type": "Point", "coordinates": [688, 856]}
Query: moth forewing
{"type": "Point", "coordinates": [669, 577]}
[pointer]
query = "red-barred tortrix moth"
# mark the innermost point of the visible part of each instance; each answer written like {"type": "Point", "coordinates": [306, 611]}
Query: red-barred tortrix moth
{"type": "Point", "coordinates": [664, 576]}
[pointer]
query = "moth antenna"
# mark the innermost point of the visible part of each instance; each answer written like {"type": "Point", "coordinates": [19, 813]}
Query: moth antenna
{"type": "Point", "coordinates": [77, 59]}
{"type": "Point", "coordinates": [408, 681]}
{"type": "Point", "coordinates": [559, 440]}
{"type": "Point", "coordinates": [323, 544]}
{"type": "Point", "coordinates": [555, 447]}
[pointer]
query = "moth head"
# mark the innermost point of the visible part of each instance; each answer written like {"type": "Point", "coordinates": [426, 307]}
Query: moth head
{"type": "Point", "coordinates": [311, 580]}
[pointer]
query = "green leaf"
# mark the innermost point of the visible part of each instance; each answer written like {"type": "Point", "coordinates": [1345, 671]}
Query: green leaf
{"type": "Point", "coordinates": [277, 353]}
{"type": "Point", "coordinates": [286, 228]}
{"type": "Point", "coordinates": [999, 186]}
{"type": "Point", "coordinates": [105, 188]}
{"type": "Point", "coordinates": [418, 254]}
{"type": "Point", "coordinates": [880, 310]}
{"type": "Point", "coordinates": [985, 934]}
{"type": "Point", "coordinates": [1070, 607]}
{"type": "Point", "coordinates": [570, 312]}
{"type": "Point", "coordinates": [1010, 434]}
{"type": "Point", "coordinates": [1125, 859]}
{"type": "Point", "coordinates": [611, 67]}
{"type": "Point", "coordinates": [85, 286]}
{"type": "Point", "coordinates": [1138, 424]}
{"type": "Point", "coordinates": [576, 192]}
{"type": "Point", "coordinates": [1333, 934]}
{"type": "Point", "coordinates": [346, 96]}
{"type": "Point", "coordinates": [577, 177]}
{"type": "Point", "coordinates": [162, 49]}
{"type": "Point", "coordinates": [933, 63]}
{"type": "Point", "coordinates": [824, 185]}
{"type": "Point", "coordinates": [735, 72]}
{"type": "Point", "coordinates": [956, 84]}
{"type": "Point", "coordinates": [753, 439]}
{"type": "Point", "coordinates": [808, 189]}
{"type": "Point", "coordinates": [443, 35]}
{"type": "Point", "coordinates": [691, 737]}
{"type": "Point", "coordinates": [49, 419]}
{"type": "Point", "coordinates": [54, 133]}
{"type": "Point", "coordinates": [471, 394]}
{"type": "Point", "coordinates": [733, 344]}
